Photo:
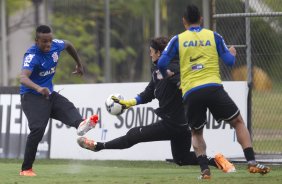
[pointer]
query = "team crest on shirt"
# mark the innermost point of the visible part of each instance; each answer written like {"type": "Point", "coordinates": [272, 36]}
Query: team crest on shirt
{"type": "Point", "coordinates": [28, 59]}
{"type": "Point", "coordinates": [55, 57]}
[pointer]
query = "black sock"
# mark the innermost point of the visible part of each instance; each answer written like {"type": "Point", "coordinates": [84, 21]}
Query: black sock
{"type": "Point", "coordinates": [212, 162]}
{"type": "Point", "coordinates": [77, 123]}
{"type": "Point", "coordinates": [203, 162]}
{"type": "Point", "coordinates": [249, 154]}
{"type": "Point", "coordinates": [99, 146]}
{"type": "Point", "coordinates": [118, 143]}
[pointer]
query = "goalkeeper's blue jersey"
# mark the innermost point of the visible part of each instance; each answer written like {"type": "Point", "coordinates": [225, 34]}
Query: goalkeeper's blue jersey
{"type": "Point", "coordinates": [42, 65]}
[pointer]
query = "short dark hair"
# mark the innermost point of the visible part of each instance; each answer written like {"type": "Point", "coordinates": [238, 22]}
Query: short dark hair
{"type": "Point", "coordinates": [42, 29]}
{"type": "Point", "coordinates": [192, 14]}
{"type": "Point", "coordinates": [159, 43]}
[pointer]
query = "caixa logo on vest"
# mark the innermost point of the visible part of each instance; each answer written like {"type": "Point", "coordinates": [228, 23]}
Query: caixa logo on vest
{"type": "Point", "coordinates": [197, 43]}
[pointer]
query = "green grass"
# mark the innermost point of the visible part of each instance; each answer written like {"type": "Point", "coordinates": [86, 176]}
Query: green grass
{"type": "Point", "coordinates": [265, 146]}
{"type": "Point", "coordinates": [266, 120]}
{"type": "Point", "coordinates": [267, 110]}
{"type": "Point", "coordinates": [125, 172]}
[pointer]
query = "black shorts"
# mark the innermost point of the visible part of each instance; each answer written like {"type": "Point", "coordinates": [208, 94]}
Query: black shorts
{"type": "Point", "coordinates": [38, 110]}
{"type": "Point", "coordinates": [214, 98]}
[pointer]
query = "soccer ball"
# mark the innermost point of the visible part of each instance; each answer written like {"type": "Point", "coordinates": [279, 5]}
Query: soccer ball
{"type": "Point", "coordinates": [112, 107]}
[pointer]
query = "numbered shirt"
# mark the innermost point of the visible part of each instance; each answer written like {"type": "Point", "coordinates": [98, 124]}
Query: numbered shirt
{"type": "Point", "coordinates": [42, 65]}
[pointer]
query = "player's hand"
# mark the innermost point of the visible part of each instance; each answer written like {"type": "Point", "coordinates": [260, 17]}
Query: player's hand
{"type": "Point", "coordinates": [44, 91]}
{"type": "Point", "coordinates": [169, 73]}
{"type": "Point", "coordinates": [78, 70]}
{"type": "Point", "coordinates": [232, 50]}
{"type": "Point", "coordinates": [160, 76]}
{"type": "Point", "coordinates": [125, 103]}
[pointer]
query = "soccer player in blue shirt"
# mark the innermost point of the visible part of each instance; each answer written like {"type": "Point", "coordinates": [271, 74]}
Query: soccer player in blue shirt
{"type": "Point", "coordinates": [199, 50]}
{"type": "Point", "coordinates": [38, 99]}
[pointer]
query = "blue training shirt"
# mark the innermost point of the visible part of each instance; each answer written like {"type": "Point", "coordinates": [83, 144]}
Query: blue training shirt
{"type": "Point", "coordinates": [42, 64]}
{"type": "Point", "coordinates": [172, 50]}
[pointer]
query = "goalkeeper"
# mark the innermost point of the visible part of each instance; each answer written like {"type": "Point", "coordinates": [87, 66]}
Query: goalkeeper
{"type": "Point", "coordinates": [173, 126]}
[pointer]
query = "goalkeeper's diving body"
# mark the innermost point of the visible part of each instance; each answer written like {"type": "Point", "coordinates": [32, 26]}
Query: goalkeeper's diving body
{"type": "Point", "coordinates": [173, 126]}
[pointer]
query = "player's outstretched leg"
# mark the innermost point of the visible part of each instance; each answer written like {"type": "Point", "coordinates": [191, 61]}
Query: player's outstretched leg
{"type": "Point", "coordinates": [87, 143]}
{"type": "Point", "coordinates": [223, 164]}
{"type": "Point", "coordinates": [87, 125]}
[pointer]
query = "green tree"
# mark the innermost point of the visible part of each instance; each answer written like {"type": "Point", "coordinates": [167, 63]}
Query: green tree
{"type": "Point", "coordinates": [79, 32]}
{"type": "Point", "coordinates": [132, 26]}
{"type": "Point", "coordinates": [131, 29]}
{"type": "Point", "coordinates": [130, 32]}
{"type": "Point", "coordinates": [74, 21]}
{"type": "Point", "coordinates": [15, 5]}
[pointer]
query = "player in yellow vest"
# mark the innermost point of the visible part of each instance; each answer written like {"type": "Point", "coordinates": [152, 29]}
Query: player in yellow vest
{"type": "Point", "coordinates": [199, 50]}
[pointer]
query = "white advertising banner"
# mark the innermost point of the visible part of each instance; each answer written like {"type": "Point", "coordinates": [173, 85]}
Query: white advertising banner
{"type": "Point", "coordinates": [90, 99]}
{"type": "Point", "coordinates": [14, 129]}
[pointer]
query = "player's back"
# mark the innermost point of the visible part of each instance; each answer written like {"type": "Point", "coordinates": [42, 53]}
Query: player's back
{"type": "Point", "coordinates": [198, 58]}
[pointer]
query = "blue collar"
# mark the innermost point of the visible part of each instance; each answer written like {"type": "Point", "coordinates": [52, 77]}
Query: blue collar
{"type": "Point", "coordinates": [195, 29]}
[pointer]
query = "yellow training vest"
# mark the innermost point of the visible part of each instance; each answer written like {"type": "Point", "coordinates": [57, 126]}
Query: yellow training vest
{"type": "Point", "coordinates": [198, 59]}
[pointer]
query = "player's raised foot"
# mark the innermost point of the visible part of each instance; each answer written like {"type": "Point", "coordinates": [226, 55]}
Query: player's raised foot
{"type": "Point", "coordinates": [87, 143]}
{"type": "Point", "coordinates": [223, 164]}
{"type": "Point", "coordinates": [258, 168]}
{"type": "Point", "coordinates": [87, 124]}
{"type": "Point", "coordinates": [205, 175]}
{"type": "Point", "coordinates": [28, 172]}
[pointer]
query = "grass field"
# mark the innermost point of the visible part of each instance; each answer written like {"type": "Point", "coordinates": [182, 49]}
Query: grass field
{"type": "Point", "coordinates": [126, 172]}
{"type": "Point", "coordinates": [266, 121]}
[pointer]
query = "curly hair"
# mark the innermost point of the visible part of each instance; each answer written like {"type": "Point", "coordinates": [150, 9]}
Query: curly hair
{"type": "Point", "coordinates": [159, 43]}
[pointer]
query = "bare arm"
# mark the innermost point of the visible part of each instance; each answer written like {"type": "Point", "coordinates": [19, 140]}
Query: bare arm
{"type": "Point", "coordinates": [25, 80]}
{"type": "Point", "coordinates": [73, 53]}
{"type": "Point", "coordinates": [232, 50]}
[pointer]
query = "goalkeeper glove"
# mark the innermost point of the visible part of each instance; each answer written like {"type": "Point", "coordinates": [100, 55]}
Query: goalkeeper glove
{"type": "Point", "coordinates": [125, 103]}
